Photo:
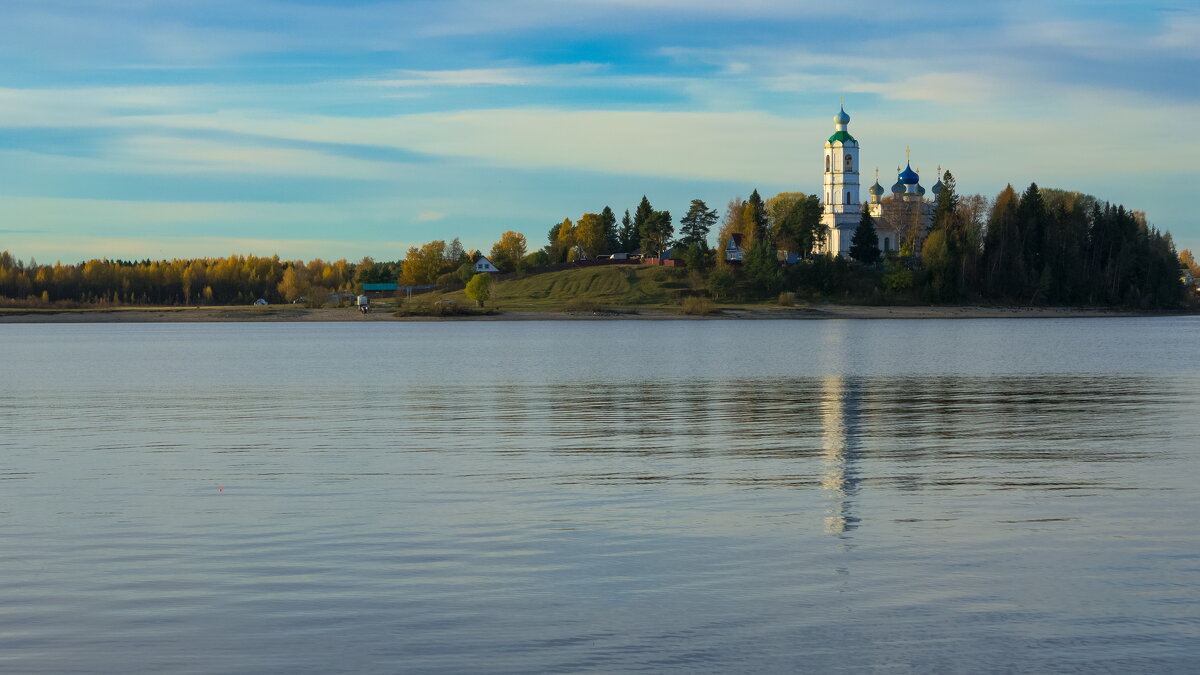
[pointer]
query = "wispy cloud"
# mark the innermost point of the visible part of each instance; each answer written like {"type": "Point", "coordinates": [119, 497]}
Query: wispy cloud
{"type": "Point", "coordinates": [391, 110]}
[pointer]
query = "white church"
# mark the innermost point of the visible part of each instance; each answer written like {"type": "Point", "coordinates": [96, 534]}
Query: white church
{"type": "Point", "coordinates": [901, 219]}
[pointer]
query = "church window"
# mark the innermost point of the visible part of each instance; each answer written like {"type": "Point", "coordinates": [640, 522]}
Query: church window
{"type": "Point", "coordinates": [848, 199]}
{"type": "Point", "coordinates": [849, 162]}
{"type": "Point", "coordinates": [887, 243]}
{"type": "Point", "coordinates": [827, 158]}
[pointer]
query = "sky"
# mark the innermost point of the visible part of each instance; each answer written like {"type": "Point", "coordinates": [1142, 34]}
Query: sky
{"type": "Point", "coordinates": [311, 128]}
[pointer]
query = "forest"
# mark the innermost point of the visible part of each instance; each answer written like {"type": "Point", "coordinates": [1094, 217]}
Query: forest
{"type": "Point", "coordinates": [1039, 246]}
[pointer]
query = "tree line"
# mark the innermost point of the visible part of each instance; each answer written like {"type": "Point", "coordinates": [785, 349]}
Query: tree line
{"type": "Point", "coordinates": [1048, 247]}
{"type": "Point", "coordinates": [1041, 246]}
{"type": "Point", "coordinates": [193, 281]}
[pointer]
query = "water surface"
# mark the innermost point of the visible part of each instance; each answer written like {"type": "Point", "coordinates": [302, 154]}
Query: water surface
{"type": "Point", "coordinates": [826, 496]}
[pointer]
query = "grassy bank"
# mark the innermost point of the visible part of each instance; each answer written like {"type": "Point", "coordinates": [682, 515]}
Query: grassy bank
{"type": "Point", "coordinates": [619, 287]}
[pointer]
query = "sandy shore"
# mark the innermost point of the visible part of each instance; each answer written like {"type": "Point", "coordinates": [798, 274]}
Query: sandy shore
{"type": "Point", "coordinates": [288, 313]}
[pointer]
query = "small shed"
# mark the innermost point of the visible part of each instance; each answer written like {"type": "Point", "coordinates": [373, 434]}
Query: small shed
{"type": "Point", "coordinates": [380, 288]}
{"type": "Point", "coordinates": [485, 265]}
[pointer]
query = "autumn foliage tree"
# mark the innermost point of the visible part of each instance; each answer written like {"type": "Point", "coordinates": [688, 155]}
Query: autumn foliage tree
{"type": "Point", "coordinates": [507, 252]}
{"type": "Point", "coordinates": [423, 265]}
{"type": "Point", "coordinates": [590, 236]}
{"type": "Point", "coordinates": [230, 280]}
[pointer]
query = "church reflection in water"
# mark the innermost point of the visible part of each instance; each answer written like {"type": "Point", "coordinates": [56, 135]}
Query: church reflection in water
{"type": "Point", "coordinates": [841, 450]}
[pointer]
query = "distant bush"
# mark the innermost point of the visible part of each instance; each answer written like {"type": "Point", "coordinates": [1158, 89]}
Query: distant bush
{"type": "Point", "coordinates": [787, 299]}
{"type": "Point", "coordinates": [698, 305]}
{"type": "Point", "coordinates": [450, 281]}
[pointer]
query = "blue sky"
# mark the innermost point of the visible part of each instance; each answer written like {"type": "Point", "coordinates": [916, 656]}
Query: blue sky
{"type": "Point", "coordinates": [308, 128]}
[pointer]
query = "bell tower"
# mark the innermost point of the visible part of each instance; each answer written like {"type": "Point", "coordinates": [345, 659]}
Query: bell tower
{"type": "Point", "coordinates": [841, 169]}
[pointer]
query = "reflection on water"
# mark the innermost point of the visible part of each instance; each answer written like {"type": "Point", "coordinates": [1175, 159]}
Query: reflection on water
{"type": "Point", "coordinates": [612, 497]}
{"type": "Point", "coordinates": [840, 414]}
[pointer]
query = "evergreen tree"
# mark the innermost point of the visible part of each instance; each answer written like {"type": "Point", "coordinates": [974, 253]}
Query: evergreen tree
{"type": "Point", "coordinates": [762, 269]}
{"type": "Point", "coordinates": [640, 216]}
{"type": "Point", "coordinates": [864, 245]}
{"type": "Point", "coordinates": [552, 249]}
{"type": "Point", "coordinates": [628, 236]}
{"type": "Point", "coordinates": [758, 216]}
{"type": "Point", "coordinates": [1031, 221]}
{"type": "Point", "coordinates": [695, 225]}
{"type": "Point", "coordinates": [696, 257]}
{"type": "Point", "coordinates": [959, 249]}
{"type": "Point", "coordinates": [656, 232]}
{"type": "Point", "coordinates": [612, 238]}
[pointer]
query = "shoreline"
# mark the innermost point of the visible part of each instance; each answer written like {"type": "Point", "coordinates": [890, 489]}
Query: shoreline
{"type": "Point", "coordinates": [821, 312]}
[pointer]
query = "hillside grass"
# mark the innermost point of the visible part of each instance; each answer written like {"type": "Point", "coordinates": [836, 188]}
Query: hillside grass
{"type": "Point", "coordinates": [618, 288]}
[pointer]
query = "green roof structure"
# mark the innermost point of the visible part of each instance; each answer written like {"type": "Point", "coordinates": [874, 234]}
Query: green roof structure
{"type": "Point", "coordinates": [842, 136]}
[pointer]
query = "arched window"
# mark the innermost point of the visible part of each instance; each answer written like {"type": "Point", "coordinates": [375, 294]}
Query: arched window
{"type": "Point", "coordinates": [848, 199]}
{"type": "Point", "coordinates": [827, 158]}
{"type": "Point", "coordinates": [887, 244]}
{"type": "Point", "coordinates": [849, 162]}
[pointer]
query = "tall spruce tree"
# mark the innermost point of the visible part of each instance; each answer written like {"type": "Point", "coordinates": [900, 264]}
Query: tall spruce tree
{"type": "Point", "coordinates": [640, 216]}
{"type": "Point", "coordinates": [627, 236]}
{"type": "Point", "coordinates": [1031, 220]}
{"type": "Point", "coordinates": [611, 237]}
{"type": "Point", "coordinates": [864, 245]}
{"type": "Point", "coordinates": [758, 216]}
{"type": "Point", "coordinates": [958, 253]}
{"type": "Point", "coordinates": [694, 226]}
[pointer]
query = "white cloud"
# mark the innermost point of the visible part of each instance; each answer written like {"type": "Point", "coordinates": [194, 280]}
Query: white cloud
{"type": "Point", "coordinates": [473, 77]}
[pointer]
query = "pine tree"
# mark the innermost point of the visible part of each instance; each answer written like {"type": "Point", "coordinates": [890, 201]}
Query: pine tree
{"type": "Point", "coordinates": [695, 225]}
{"type": "Point", "coordinates": [864, 245]}
{"type": "Point", "coordinates": [656, 232]}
